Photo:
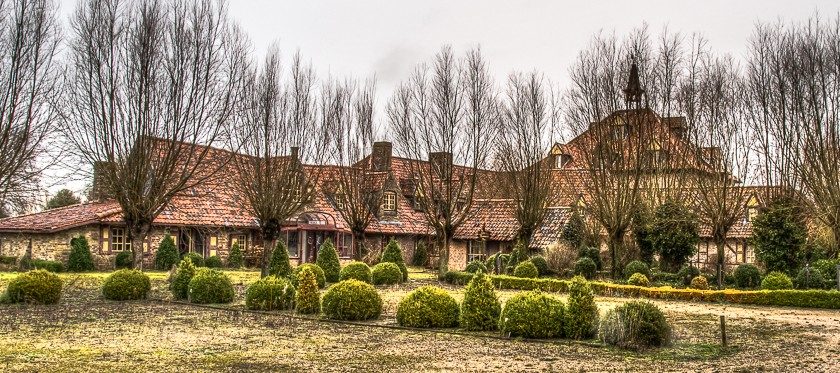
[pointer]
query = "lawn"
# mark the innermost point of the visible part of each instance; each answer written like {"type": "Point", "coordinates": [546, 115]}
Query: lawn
{"type": "Point", "coordinates": [84, 332]}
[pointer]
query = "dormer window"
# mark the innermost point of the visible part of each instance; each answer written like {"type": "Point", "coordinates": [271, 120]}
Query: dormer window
{"type": "Point", "coordinates": [338, 201]}
{"type": "Point", "coordinates": [561, 160]}
{"type": "Point", "coordinates": [389, 201]}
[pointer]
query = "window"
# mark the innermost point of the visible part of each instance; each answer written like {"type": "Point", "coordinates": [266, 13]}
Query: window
{"type": "Point", "coordinates": [241, 239]}
{"type": "Point", "coordinates": [119, 240]}
{"type": "Point", "coordinates": [561, 160]}
{"type": "Point", "coordinates": [292, 243]}
{"type": "Point", "coordinates": [338, 201]}
{"type": "Point", "coordinates": [344, 245]}
{"type": "Point", "coordinates": [476, 250]}
{"type": "Point", "coordinates": [389, 201]}
{"type": "Point", "coordinates": [752, 213]}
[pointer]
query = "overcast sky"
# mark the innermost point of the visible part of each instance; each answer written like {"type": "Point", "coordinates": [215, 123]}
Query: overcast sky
{"type": "Point", "coordinates": [388, 38]}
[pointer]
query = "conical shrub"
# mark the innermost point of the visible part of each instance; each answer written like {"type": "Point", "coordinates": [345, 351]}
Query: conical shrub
{"type": "Point", "coordinates": [481, 308]}
{"type": "Point", "coordinates": [166, 255]}
{"type": "Point", "coordinates": [581, 312]}
{"type": "Point", "coordinates": [80, 259]}
{"type": "Point", "coordinates": [307, 299]}
{"type": "Point", "coordinates": [328, 261]}
{"type": "Point", "coordinates": [279, 265]}
{"type": "Point", "coordinates": [393, 254]}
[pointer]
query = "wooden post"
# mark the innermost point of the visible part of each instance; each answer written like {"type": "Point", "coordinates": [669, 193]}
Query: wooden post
{"type": "Point", "coordinates": [723, 330]}
{"type": "Point", "coordinates": [838, 277]}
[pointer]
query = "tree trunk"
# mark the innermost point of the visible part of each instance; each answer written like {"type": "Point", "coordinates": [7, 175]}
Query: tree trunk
{"type": "Point", "coordinates": [269, 243]}
{"type": "Point", "coordinates": [613, 244]}
{"type": "Point", "coordinates": [138, 234]}
{"type": "Point", "coordinates": [720, 244]}
{"type": "Point", "coordinates": [359, 245]}
{"type": "Point", "coordinates": [443, 260]}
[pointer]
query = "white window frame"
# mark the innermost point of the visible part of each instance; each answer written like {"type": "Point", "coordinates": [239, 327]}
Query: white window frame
{"type": "Point", "coordinates": [389, 201]}
{"type": "Point", "coordinates": [473, 245]}
{"type": "Point", "coordinates": [124, 244]}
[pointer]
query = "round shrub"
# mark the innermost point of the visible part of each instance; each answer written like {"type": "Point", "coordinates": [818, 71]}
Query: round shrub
{"type": "Point", "coordinates": [328, 261]}
{"type": "Point", "coordinates": [585, 267]}
{"type": "Point", "coordinates": [166, 255]}
{"type": "Point", "coordinates": [320, 276]}
{"type": "Point", "coordinates": [541, 264]}
{"type": "Point", "coordinates": [747, 276]}
{"type": "Point", "coordinates": [307, 299]}
{"type": "Point", "coordinates": [356, 271]}
{"type": "Point", "coordinates": [532, 315]}
{"type": "Point", "coordinates": [481, 308]}
{"type": "Point", "coordinates": [279, 264]}
{"type": "Point", "coordinates": [636, 266]}
{"type": "Point", "coordinates": [699, 283]}
{"type": "Point", "coordinates": [526, 270]}
{"type": "Point", "coordinates": [196, 258]}
{"type": "Point", "coordinates": [635, 325]}
{"type": "Point", "coordinates": [37, 286]}
{"type": "Point", "coordinates": [386, 273]}
{"type": "Point", "coordinates": [352, 300]}
{"type": "Point", "coordinates": [428, 307]}
{"type": "Point", "coordinates": [593, 253]}
{"type": "Point", "coordinates": [809, 278]}
{"type": "Point", "coordinates": [270, 293]}
{"type": "Point", "coordinates": [776, 281]}
{"type": "Point", "coordinates": [393, 254]}
{"type": "Point", "coordinates": [235, 259]}
{"type": "Point", "coordinates": [210, 286]}
{"type": "Point", "coordinates": [126, 284]}
{"type": "Point", "coordinates": [213, 262]}
{"type": "Point", "coordinates": [124, 259]}
{"type": "Point", "coordinates": [80, 259]}
{"type": "Point", "coordinates": [581, 316]}
{"type": "Point", "coordinates": [638, 279]}
{"type": "Point", "coordinates": [180, 284]}
{"type": "Point", "coordinates": [828, 268]}
{"type": "Point", "coordinates": [687, 273]}
{"type": "Point", "coordinates": [475, 266]}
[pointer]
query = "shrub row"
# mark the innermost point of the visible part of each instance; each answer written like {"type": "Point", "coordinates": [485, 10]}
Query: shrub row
{"type": "Point", "coordinates": [793, 298]}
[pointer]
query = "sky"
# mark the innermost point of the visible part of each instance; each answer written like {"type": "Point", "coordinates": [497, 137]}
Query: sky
{"type": "Point", "coordinates": [387, 39]}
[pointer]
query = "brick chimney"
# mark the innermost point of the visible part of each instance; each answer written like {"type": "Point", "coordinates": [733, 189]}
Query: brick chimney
{"type": "Point", "coordinates": [441, 163]}
{"type": "Point", "coordinates": [380, 157]}
{"type": "Point", "coordinates": [99, 188]}
{"type": "Point", "coordinates": [294, 153]}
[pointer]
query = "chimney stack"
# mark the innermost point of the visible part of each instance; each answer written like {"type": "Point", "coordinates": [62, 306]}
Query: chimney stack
{"type": "Point", "coordinates": [380, 158]}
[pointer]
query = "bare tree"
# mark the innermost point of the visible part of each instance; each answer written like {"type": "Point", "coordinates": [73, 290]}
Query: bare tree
{"type": "Point", "coordinates": [349, 112]}
{"type": "Point", "coordinates": [449, 114]}
{"type": "Point", "coordinates": [152, 88]}
{"type": "Point", "coordinates": [525, 137]}
{"type": "Point", "coordinates": [29, 85]}
{"type": "Point", "coordinates": [793, 77]}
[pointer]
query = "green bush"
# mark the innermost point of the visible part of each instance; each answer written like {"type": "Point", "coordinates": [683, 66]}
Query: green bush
{"type": "Point", "coordinates": [809, 278]}
{"type": "Point", "coordinates": [386, 273]}
{"type": "Point", "coordinates": [776, 281]}
{"type": "Point", "coordinates": [236, 259]}
{"type": "Point", "coordinates": [779, 232]}
{"type": "Point", "coordinates": [210, 286]}
{"type": "Point", "coordinates": [635, 325]}
{"type": "Point", "coordinates": [475, 266]}
{"type": "Point", "coordinates": [352, 300]}
{"type": "Point", "coordinates": [279, 264]}
{"type": "Point", "coordinates": [674, 234]}
{"type": "Point", "coordinates": [80, 259]}
{"type": "Point", "coordinates": [320, 277]}
{"type": "Point", "coordinates": [357, 271]}
{"type": "Point", "coordinates": [699, 283]}
{"type": "Point", "coordinates": [490, 263]}
{"type": "Point", "coordinates": [638, 279]}
{"type": "Point", "coordinates": [532, 315]}
{"type": "Point", "coordinates": [8, 260]}
{"type": "Point", "coordinates": [581, 316]}
{"type": "Point", "coordinates": [541, 264]}
{"type": "Point", "coordinates": [687, 274]}
{"type": "Point", "coordinates": [213, 262]}
{"type": "Point", "coordinates": [180, 285]}
{"type": "Point", "coordinates": [747, 276]}
{"type": "Point", "coordinates": [456, 277]}
{"type": "Point", "coordinates": [166, 255]}
{"type": "Point", "coordinates": [636, 266]}
{"type": "Point", "coordinates": [196, 258]}
{"type": "Point", "coordinates": [37, 287]}
{"type": "Point", "coordinates": [393, 254]}
{"type": "Point", "coordinates": [585, 267]}
{"type": "Point", "coordinates": [518, 254]}
{"type": "Point", "coordinates": [592, 253]}
{"type": "Point", "coordinates": [269, 293]}
{"type": "Point", "coordinates": [421, 255]}
{"type": "Point", "coordinates": [48, 265]}
{"type": "Point", "coordinates": [428, 307]}
{"type": "Point", "coordinates": [307, 299]}
{"type": "Point", "coordinates": [526, 270]}
{"type": "Point", "coordinates": [828, 268]}
{"type": "Point", "coordinates": [126, 284]}
{"type": "Point", "coordinates": [328, 261]}
{"type": "Point", "coordinates": [481, 308]}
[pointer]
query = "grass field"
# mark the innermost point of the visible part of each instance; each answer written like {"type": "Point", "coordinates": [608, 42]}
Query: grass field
{"type": "Point", "coordinates": [84, 333]}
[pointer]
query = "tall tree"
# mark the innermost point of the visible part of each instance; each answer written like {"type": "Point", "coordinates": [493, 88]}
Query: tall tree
{"type": "Point", "coordinates": [277, 133]}
{"type": "Point", "coordinates": [64, 197]}
{"type": "Point", "coordinates": [29, 84]}
{"type": "Point", "coordinates": [152, 88]}
{"type": "Point", "coordinates": [447, 113]}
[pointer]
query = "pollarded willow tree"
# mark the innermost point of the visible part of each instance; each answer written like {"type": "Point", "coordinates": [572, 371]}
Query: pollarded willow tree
{"type": "Point", "coordinates": [29, 85]}
{"type": "Point", "coordinates": [448, 113]}
{"type": "Point", "coordinates": [152, 86]}
{"type": "Point", "coordinates": [793, 84]}
{"type": "Point", "coordinates": [525, 137]}
{"type": "Point", "coordinates": [277, 132]}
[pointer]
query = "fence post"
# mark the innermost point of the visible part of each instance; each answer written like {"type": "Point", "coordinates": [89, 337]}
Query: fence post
{"type": "Point", "coordinates": [723, 330]}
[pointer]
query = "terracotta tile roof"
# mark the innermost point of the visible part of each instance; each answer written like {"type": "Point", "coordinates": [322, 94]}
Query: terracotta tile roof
{"type": "Point", "coordinates": [493, 219]}
{"type": "Point", "coordinates": [551, 229]}
{"type": "Point", "coordinates": [60, 219]}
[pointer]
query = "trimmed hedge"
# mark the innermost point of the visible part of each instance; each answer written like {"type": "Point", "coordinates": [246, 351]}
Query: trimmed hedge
{"type": "Point", "coordinates": [386, 273]}
{"type": "Point", "coordinates": [428, 307]}
{"type": "Point", "coordinates": [356, 271]}
{"type": "Point", "coordinates": [328, 261]}
{"type": "Point", "coordinates": [638, 279]}
{"type": "Point", "coordinates": [527, 270]}
{"type": "Point", "coordinates": [352, 300]}
{"type": "Point", "coordinates": [308, 298]}
{"type": "Point", "coordinates": [80, 259]}
{"type": "Point", "coordinates": [635, 325]}
{"type": "Point", "coordinates": [788, 298]}
{"type": "Point", "coordinates": [320, 277]}
{"type": "Point", "coordinates": [581, 317]}
{"type": "Point", "coordinates": [166, 255]}
{"type": "Point", "coordinates": [47, 265]}
{"type": "Point", "coordinates": [747, 276]}
{"type": "Point", "coordinates": [475, 266]}
{"type": "Point", "coordinates": [210, 286]}
{"type": "Point", "coordinates": [126, 284]}
{"type": "Point", "coordinates": [776, 281]}
{"type": "Point", "coordinates": [481, 308]}
{"type": "Point", "coordinates": [532, 315]}
{"type": "Point", "coordinates": [270, 293]}
{"type": "Point", "coordinates": [37, 286]}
